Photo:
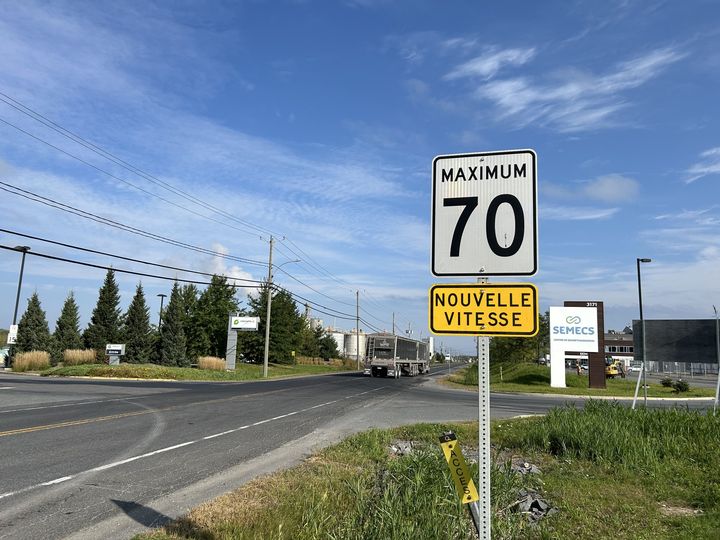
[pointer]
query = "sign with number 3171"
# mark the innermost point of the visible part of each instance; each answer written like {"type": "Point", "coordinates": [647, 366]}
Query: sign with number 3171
{"type": "Point", "coordinates": [484, 214]}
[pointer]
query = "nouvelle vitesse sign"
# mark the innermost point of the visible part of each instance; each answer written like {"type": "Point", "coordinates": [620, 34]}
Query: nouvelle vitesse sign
{"type": "Point", "coordinates": [503, 309]}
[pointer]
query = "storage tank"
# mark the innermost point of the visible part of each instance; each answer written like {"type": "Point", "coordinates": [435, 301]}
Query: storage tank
{"type": "Point", "coordinates": [339, 338]}
{"type": "Point", "coordinates": [351, 339]}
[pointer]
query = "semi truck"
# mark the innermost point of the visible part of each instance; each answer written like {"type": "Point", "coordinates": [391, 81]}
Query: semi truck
{"type": "Point", "coordinates": [389, 355]}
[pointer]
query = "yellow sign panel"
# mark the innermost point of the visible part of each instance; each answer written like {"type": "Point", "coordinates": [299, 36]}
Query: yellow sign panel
{"type": "Point", "coordinates": [458, 468]}
{"type": "Point", "coordinates": [500, 309]}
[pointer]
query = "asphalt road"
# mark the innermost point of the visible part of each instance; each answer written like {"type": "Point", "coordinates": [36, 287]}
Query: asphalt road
{"type": "Point", "coordinates": [105, 459]}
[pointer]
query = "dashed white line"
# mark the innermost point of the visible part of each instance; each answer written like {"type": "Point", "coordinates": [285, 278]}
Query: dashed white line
{"type": "Point", "coordinates": [174, 447]}
{"type": "Point", "coordinates": [6, 387]}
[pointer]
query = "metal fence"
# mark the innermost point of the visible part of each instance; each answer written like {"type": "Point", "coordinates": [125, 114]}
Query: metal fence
{"type": "Point", "coordinates": [688, 369]}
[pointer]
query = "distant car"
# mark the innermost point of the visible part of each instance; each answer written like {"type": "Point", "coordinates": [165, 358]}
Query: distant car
{"type": "Point", "coordinates": [583, 367]}
{"type": "Point", "coordinates": [634, 368]}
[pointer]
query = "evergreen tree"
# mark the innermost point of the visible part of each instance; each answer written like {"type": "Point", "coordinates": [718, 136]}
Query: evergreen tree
{"type": "Point", "coordinates": [209, 321]}
{"type": "Point", "coordinates": [286, 325]}
{"type": "Point", "coordinates": [67, 329]}
{"type": "Point", "coordinates": [136, 331]}
{"type": "Point", "coordinates": [172, 335]}
{"type": "Point", "coordinates": [104, 324]}
{"type": "Point", "coordinates": [33, 332]}
{"type": "Point", "coordinates": [328, 346]}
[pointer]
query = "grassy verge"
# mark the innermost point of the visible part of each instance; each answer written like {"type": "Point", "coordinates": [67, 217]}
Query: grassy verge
{"type": "Point", "coordinates": [243, 372]}
{"type": "Point", "coordinates": [534, 378]}
{"type": "Point", "coordinates": [607, 470]}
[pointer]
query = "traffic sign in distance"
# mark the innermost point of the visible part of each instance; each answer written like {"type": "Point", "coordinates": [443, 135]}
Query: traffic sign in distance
{"type": "Point", "coordinates": [484, 309]}
{"type": "Point", "coordinates": [484, 214]}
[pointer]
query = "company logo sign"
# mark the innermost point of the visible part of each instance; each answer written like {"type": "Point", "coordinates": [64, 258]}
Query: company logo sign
{"type": "Point", "coordinates": [575, 328]}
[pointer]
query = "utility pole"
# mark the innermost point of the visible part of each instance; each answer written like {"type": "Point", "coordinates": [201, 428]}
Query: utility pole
{"type": "Point", "coordinates": [717, 345]}
{"type": "Point", "coordinates": [267, 316]}
{"type": "Point", "coordinates": [393, 323]}
{"type": "Point", "coordinates": [24, 250]}
{"type": "Point", "coordinates": [357, 328]}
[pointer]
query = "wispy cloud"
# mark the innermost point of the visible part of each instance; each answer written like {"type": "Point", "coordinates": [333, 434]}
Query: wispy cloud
{"type": "Point", "coordinates": [575, 100]}
{"type": "Point", "coordinates": [488, 64]}
{"type": "Point", "coordinates": [610, 188]}
{"type": "Point", "coordinates": [576, 213]}
{"type": "Point", "coordinates": [709, 164]}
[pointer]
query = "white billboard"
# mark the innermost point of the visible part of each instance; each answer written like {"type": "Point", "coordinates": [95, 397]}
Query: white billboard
{"type": "Point", "coordinates": [571, 329]}
{"type": "Point", "coordinates": [484, 214]}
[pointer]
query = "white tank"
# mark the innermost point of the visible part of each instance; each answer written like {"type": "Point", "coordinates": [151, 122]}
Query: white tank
{"type": "Point", "coordinates": [339, 338]}
{"type": "Point", "coordinates": [351, 340]}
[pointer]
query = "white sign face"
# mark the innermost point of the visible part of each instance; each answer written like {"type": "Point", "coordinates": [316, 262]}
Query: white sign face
{"type": "Point", "coordinates": [575, 328]}
{"type": "Point", "coordinates": [12, 334]}
{"type": "Point", "coordinates": [115, 349]}
{"type": "Point", "coordinates": [484, 214]}
{"type": "Point", "coordinates": [247, 324]}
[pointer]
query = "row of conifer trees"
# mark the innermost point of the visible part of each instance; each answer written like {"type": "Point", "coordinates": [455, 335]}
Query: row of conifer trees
{"type": "Point", "coordinates": [194, 323]}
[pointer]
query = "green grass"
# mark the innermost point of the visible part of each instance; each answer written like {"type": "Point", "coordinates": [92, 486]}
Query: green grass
{"type": "Point", "coordinates": [535, 378]}
{"type": "Point", "coordinates": [607, 469]}
{"type": "Point", "coordinates": [243, 372]}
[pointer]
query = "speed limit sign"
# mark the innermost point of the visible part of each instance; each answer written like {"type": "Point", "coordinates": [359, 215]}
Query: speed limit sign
{"type": "Point", "coordinates": [484, 214]}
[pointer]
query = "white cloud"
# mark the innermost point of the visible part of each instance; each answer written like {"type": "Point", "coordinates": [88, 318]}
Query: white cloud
{"type": "Point", "coordinates": [570, 213]}
{"type": "Point", "coordinates": [708, 165]}
{"type": "Point", "coordinates": [576, 100]}
{"type": "Point", "coordinates": [488, 64]}
{"type": "Point", "coordinates": [612, 188]}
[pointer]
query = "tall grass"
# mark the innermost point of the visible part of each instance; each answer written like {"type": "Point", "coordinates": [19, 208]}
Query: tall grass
{"type": "Point", "coordinates": [211, 362]}
{"type": "Point", "coordinates": [76, 357]}
{"type": "Point", "coordinates": [31, 361]}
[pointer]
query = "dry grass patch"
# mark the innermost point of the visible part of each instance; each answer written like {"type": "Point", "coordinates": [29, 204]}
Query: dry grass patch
{"type": "Point", "coordinates": [77, 357]}
{"type": "Point", "coordinates": [211, 362]}
{"type": "Point", "coordinates": [31, 361]}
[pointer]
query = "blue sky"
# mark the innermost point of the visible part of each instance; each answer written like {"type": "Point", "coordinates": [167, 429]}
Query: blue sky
{"type": "Point", "coordinates": [319, 121]}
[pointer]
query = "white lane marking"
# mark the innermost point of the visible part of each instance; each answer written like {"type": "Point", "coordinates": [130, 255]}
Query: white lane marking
{"type": "Point", "coordinates": [169, 448]}
{"type": "Point", "coordinates": [72, 404]}
{"type": "Point", "coordinates": [6, 387]}
{"type": "Point", "coordinates": [56, 481]}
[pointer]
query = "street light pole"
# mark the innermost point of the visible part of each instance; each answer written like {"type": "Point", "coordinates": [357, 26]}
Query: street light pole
{"type": "Point", "coordinates": [162, 297]}
{"type": "Point", "coordinates": [643, 369]}
{"type": "Point", "coordinates": [24, 250]}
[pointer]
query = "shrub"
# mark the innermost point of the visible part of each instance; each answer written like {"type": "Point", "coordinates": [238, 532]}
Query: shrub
{"type": "Point", "coordinates": [211, 362]}
{"type": "Point", "coordinates": [31, 361]}
{"type": "Point", "coordinates": [667, 382]}
{"type": "Point", "coordinates": [681, 386]}
{"type": "Point", "coordinates": [75, 357]}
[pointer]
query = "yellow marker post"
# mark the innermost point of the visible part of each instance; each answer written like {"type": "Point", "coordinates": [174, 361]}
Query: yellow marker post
{"type": "Point", "coordinates": [458, 468]}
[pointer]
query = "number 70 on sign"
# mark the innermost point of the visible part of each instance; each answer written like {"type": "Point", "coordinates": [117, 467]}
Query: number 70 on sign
{"type": "Point", "coordinates": [484, 214]}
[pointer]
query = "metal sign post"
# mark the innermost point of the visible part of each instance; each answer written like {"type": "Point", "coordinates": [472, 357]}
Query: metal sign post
{"type": "Point", "coordinates": [484, 433]}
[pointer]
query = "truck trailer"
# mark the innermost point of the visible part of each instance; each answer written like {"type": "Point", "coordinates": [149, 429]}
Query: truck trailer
{"type": "Point", "coordinates": [392, 356]}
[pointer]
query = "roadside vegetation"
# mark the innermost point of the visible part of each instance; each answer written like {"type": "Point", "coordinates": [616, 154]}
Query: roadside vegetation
{"type": "Point", "coordinates": [607, 471]}
{"type": "Point", "coordinates": [530, 377]}
{"type": "Point", "coordinates": [242, 372]}
{"type": "Point", "coordinates": [192, 325]}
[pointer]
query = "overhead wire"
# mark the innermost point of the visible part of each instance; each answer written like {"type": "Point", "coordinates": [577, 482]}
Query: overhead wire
{"type": "Point", "coordinates": [38, 117]}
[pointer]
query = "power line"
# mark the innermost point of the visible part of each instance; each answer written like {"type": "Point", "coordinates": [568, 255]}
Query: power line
{"type": "Point", "coordinates": [122, 257]}
{"type": "Point", "coordinates": [38, 117]}
{"type": "Point", "coordinates": [116, 224]}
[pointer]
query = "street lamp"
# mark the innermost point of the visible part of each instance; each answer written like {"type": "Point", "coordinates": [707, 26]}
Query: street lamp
{"type": "Point", "coordinates": [162, 297]}
{"type": "Point", "coordinates": [269, 304]}
{"type": "Point", "coordinates": [717, 345]}
{"type": "Point", "coordinates": [642, 325]}
{"type": "Point", "coordinates": [24, 250]}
